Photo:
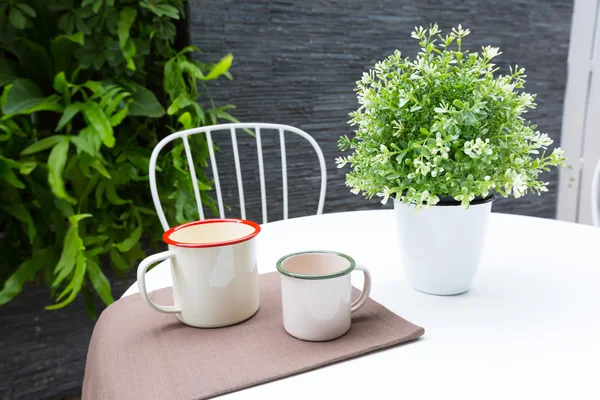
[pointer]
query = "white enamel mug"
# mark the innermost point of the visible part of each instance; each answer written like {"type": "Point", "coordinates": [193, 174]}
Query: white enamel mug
{"type": "Point", "coordinates": [315, 294]}
{"type": "Point", "coordinates": [215, 277]}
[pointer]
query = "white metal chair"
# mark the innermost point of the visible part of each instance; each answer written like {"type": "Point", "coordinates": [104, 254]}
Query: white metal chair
{"type": "Point", "coordinates": [208, 130]}
{"type": "Point", "coordinates": [595, 201]}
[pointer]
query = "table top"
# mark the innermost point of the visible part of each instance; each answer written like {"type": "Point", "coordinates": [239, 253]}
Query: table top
{"type": "Point", "coordinates": [529, 327]}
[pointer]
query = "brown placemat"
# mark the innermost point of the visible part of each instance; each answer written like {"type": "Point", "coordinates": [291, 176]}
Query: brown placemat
{"type": "Point", "coordinates": [138, 353]}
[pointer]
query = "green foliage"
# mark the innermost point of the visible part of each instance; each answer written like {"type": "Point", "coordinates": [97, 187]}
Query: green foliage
{"type": "Point", "coordinates": [88, 87]}
{"type": "Point", "coordinates": [444, 125]}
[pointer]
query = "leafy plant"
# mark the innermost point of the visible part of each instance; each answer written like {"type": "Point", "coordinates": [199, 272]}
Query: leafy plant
{"type": "Point", "coordinates": [88, 88]}
{"type": "Point", "coordinates": [444, 125]}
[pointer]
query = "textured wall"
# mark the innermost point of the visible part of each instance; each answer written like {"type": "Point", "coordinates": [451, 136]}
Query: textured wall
{"type": "Point", "coordinates": [42, 353]}
{"type": "Point", "coordinates": [297, 63]}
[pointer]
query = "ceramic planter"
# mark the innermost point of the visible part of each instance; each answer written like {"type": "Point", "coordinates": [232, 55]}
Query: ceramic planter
{"type": "Point", "coordinates": [441, 246]}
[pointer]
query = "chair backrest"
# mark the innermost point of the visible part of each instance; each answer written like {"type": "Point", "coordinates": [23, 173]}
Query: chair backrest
{"type": "Point", "coordinates": [208, 130]}
{"type": "Point", "coordinates": [595, 196]}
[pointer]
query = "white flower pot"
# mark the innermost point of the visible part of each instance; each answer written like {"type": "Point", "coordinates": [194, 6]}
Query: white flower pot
{"type": "Point", "coordinates": [441, 246]}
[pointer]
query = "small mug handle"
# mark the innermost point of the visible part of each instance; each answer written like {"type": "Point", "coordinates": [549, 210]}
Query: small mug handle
{"type": "Point", "coordinates": [141, 280]}
{"type": "Point", "coordinates": [362, 299]}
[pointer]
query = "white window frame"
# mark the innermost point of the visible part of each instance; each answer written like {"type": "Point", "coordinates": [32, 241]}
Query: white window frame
{"type": "Point", "coordinates": [580, 137]}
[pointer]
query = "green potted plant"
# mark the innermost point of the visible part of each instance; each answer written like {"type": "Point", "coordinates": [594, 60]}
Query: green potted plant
{"type": "Point", "coordinates": [442, 135]}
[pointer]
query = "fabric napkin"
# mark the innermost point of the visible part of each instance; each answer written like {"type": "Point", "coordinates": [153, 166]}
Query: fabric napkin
{"type": "Point", "coordinates": [138, 353]}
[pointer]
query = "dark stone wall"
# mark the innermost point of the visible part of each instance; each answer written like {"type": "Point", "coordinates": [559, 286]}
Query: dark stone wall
{"type": "Point", "coordinates": [42, 353]}
{"type": "Point", "coordinates": [297, 63]}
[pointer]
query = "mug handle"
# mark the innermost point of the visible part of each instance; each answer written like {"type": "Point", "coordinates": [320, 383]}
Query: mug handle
{"type": "Point", "coordinates": [141, 280]}
{"type": "Point", "coordinates": [362, 299]}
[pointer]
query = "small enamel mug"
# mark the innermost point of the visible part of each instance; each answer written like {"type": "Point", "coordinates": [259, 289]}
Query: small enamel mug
{"type": "Point", "coordinates": [315, 294]}
{"type": "Point", "coordinates": [213, 265]}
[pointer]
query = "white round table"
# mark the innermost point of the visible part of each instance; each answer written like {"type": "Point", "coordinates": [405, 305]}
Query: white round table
{"type": "Point", "coordinates": [529, 328]}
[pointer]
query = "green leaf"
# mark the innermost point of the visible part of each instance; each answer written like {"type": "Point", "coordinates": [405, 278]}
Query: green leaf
{"type": "Point", "coordinates": [127, 46]}
{"type": "Point", "coordinates": [185, 120]}
{"type": "Point", "coordinates": [64, 207]}
{"type": "Point", "coordinates": [147, 211]}
{"type": "Point", "coordinates": [27, 167]}
{"type": "Point", "coordinates": [60, 82]}
{"type": "Point", "coordinates": [203, 186]}
{"type": "Point", "coordinates": [166, 10]}
{"type": "Point", "coordinates": [5, 136]}
{"type": "Point", "coordinates": [26, 272]}
{"type": "Point", "coordinates": [130, 241]}
{"type": "Point", "coordinates": [229, 117]}
{"type": "Point", "coordinates": [27, 9]}
{"type": "Point", "coordinates": [117, 260]}
{"type": "Point", "coordinates": [78, 38]}
{"type": "Point", "coordinates": [113, 197]}
{"type": "Point", "coordinates": [72, 247]}
{"type": "Point", "coordinates": [25, 97]}
{"type": "Point", "coordinates": [110, 91]}
{"type": "Point", "coordinates": [97, 6]}
{"type": "Point", "coordinates": [9, 176]}
{"type": "Point", "coordinates": [14, 284]}
{"type": "Point", "coordinates": [99, 193]}
{"type": "Point", "coordinates": [94, 251]}
{"type": "Point", "coordinates": [4, 97]}
{"type": "Point", "coordinates": [43, 144]}
{"type": "Point", "coordinates": [10, 162]}
{"type": "Point", "coordinates": [17, 18]}
{"type": "Point", "coordinates": [77, 278]}
{"type": "Point", "coordinates": [95, 117]}
{"type": "Point", "coordinates": [112, 103]}
{"type": "Point", "coordinates": [75, 219]}
{"type": "Point", "coordinates": [83, 145]}
{"type": "Point", "coordinates": [135, 255]}
{"type": "Point", "coordinates": [99, 282]}
{"type": "Point", "coordinates": [20, 212]}
{"type": "Point", "coordinates": [95, 87]}
{"type": "Point", "coordinates": [51, 103]}
{"type": "Point", "coordinates": [161, 9]}
{"type": "Point", "coordinates": [9, 71]}
{"type": "Point", "coordinates": [128, 52]}
{"type": "Point", "coordinates": [145, 103]}
{"type": "Point", "coordinates": [126, 20]}
{"type": "Point", "coordinates": [81, 23]}
{"type": "Point", "coordinates": [56, 165]}
{"type": "Point", "coordinates": [182, 101]}
{"type": "Point", "coordinates": [189, 49]}
{"type": "Point", "coordinates": [74, 286]}
{"type": "Point", "coordinates": [92, 240]}
{"type": "Point", "coordinates": [70, 111]}
{"type": "Point", "coordinates": [118, 117]}
{"type": "Point", "coordinates": [97, 165]}
{"type": "Point", "coordinates": [220, 68]}
{"type": "Point", "coordinates": [470, 118]}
